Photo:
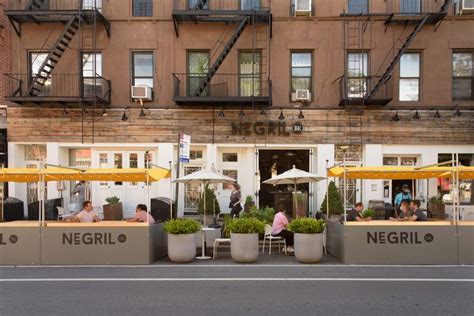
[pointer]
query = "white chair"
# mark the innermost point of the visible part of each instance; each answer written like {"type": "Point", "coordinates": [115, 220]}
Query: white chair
{"type": "Point", "coordinates": [276, 239]}
{"type": "Point", "coordinates": [217, 242]}
{"type": "Point", "coordinates": [62, 213]}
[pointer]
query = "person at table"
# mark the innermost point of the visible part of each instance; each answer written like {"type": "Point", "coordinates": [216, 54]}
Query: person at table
{"type": "Point", "coordinates": [356, 214]}
{"type": "Point", "coordinates": [417, 214]}
{"type": "Point", "coordinates": [279, 228]}
{"type": "Point", "coordinates": [141, 215]}
{"type": "Point", "coordinates": [404, 195]}
{"type": "Point", "coordinates": [404, 212]}
{"type": "Point", "coordinates": [235, 200]}
{"type": "Point", "coordinates": [87, 215]}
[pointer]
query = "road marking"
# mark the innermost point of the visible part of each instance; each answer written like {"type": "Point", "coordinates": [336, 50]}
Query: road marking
{"type": "Point", "coordinates": [296, 265]}
{"type": "Point", "coordinates": [235, 279]}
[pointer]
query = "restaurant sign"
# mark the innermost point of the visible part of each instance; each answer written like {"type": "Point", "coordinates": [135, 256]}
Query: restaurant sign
{"type": "Point", "coordinates": [267, 128]}
{"type": "Point", "coordinates": [409, 238]}
{"type": "Point", "coordinates": [92, 238]}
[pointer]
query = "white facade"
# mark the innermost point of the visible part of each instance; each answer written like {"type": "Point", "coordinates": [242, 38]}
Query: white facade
{"type": "Point", "coordinates": [212, 156]}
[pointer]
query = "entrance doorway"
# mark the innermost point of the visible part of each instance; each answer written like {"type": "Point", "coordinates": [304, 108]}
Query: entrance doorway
{"type": "Point", "coordinates": [274, 162]}
{"type": "Point", "coordinates": [397, 188]}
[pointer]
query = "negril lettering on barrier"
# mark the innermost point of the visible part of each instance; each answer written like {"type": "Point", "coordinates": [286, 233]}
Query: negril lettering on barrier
{"type": "Point", "coordinates": [91, 239]}
{"type": "Point", "coordinates": [394, 238]}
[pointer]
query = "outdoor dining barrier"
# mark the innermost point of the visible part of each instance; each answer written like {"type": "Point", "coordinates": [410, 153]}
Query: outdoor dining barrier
{"type": "Point", "coordinates": [389, 242]}
{"type": "Point", "coordinates": [107, 242]}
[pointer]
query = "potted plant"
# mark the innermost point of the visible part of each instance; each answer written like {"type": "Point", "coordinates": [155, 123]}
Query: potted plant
{"type": "Point", "coordinates": [181, 239]}
{"type": "Point", "coordinates": [437, 207]}
{"type": "Point", "coordinates": [114, 209]}
{"type": "Point", "coordinates": [244, 238]}
{"type": "Point", "coordinates": [249, 203]}
{"type": "Point", "coordinates": [265, 215]}
{"type": "Point", "coordinates": [368, 213]}
{"type": "Point", "coordinates": [308, 239]}
{"type": "Point", "coordinates": [335, 201]}
{"type": "Point", "coordinates": [212, 205]}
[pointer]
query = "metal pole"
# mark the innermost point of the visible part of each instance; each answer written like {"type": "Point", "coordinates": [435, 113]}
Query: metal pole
{"type": "Point", "coordinates": [178, 166]}
{"type": "Point", "coordinates": [171, 190]}
{"type": "Point", "coordinates": [296, 200]}
{"type": "Point", "coordinates": [148, 197]}
{"type": "Point", "coordinates": [453, 186]}
{"type": "Point", "coordinates": [327, 191]}
{"type": "Point", "coordinates": [345, 189]}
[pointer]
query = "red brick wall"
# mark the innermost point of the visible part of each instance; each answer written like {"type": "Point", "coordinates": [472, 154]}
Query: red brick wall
{"type": "Point", "coordinates": [5, 49]}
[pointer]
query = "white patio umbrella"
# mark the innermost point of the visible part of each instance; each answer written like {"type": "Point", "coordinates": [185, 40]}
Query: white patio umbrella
{"type": "Point", "coordinates": [294, 176]}
{"type": "Point", "coordinates": [204, 177]}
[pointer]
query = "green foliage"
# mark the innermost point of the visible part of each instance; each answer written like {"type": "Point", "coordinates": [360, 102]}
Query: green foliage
{"type": "Point", "coordinates": [335, 201]}
{"type": "Point", "coordinates": [112, 200]}
{"type": "Point", "coordinates": [248, 199]}
{"type": "Point", "coordinates": [225, 228]}
{"type": "Point", "coordinates": [368, 213]}
{"type": "Point", "coordinates": [438, 199]}
{"type": "Point", "coordinates": [211, 203]}
{"type": "Point", "coordinates": [265, 215]}
{"type": "Point", "coordinates": [307, 225]}
{"type": "Point", "coordinates": [246, 226]}
{"type": "Point", "coordinates": [182, 226]}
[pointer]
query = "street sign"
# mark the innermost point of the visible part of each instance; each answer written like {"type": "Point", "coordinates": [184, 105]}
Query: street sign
{"type": "Point", "coordinates": [184, 147]}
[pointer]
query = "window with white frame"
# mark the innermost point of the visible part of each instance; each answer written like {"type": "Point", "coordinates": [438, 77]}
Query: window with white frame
{"type": "Point", "coordinates": [409, 88]}
{"type": "Point", "coordinates": [463, 75]}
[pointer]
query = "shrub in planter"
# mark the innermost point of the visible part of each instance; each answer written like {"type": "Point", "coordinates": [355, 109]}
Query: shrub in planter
{"type": "Point", "coordinates": [114, 209]}
{"type": "Point", "coordinates": [249, 203]}
{"type": "Point", "coordinates": [368, 213]}
{"type": "Point", "coordinates": [182, 239]}
{"type": "Point", "coordinates": [437, 207]}
{"type": "Point", "coordinates": [265, 215]}
{"type": "Point", "coordinates": [308, 239]}
{"type": "Point", "coordinates": [212, 205]}
{"type": "Point", "coordinates": [244, 238]}
{"type": "Point", "coordinates": [335, 201]}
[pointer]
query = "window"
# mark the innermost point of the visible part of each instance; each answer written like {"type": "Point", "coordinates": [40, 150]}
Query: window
{"type": "Point", "coordinates": [36, 60]}
{"type": "Point", "coordinates": [91, 4]}
{"type": "Point", "coordinates": [142, 7]}
{"type": "Point", "coordinates": [195, 154]}
{"type": "Point", "coordinates": [390, 161]}
{"type": "Point", "coordinates": [410, 77]}
{"type": "Point", "coordinates": [465, 186]}
{"type": "Point", "coordinates": [249, 73]}
{"type": "Point", "coordinates": [142, 69]}
{"type": "Point", "coordinates": [192, 4]}
{"type": "Point", "coordinates": [399, 161]}
{"type": "Point", "coordinates": [230, 157]}
{"type": "Point", "coordinates": [357, 73]}
{"type": "Point", "coordinates": [35, 152]}
{"type": "Point", "coordinates": [301, 71]}
{"type": "Point", "coordinates": [89, 59]}
{"type": "Point", "coordinates": [249, 4]}
{"type": "Point", "coordinates": [358, 6]}
{"type": "Point", "coordinates": [410, 6]}
{"type": "Point", "coordinates": [80, 158]}
{"type": "Point", "coordinates": [463, 76]}
{"type": "Point", "coordinates": [198, 66]}
{"type": "Point", "coordinates": [408, 161]}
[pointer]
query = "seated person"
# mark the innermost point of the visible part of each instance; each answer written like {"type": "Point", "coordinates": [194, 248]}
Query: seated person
{"type": "Point", "coordinates": [404, 212]}
{"type": "Point", "coordinates": [87, 215]}
{"type": "Point", "coordinates": [141, 215]}
{"type": "Point", "coordinates": [280, 223]}
{"type": "Point", "coordinates": [417, 214]}
{"type": "Point", "coordinates": [355, 214]}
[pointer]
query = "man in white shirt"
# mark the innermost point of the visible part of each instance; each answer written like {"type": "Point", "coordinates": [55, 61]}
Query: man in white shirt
{"type": "Point", "coordinates": [87, 215]}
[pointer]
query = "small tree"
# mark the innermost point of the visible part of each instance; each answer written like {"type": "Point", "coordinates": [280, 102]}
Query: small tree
{"type": "Point", "coordinates": [211, 202]}
{"type": "Point", "coordinates": [335, 200]}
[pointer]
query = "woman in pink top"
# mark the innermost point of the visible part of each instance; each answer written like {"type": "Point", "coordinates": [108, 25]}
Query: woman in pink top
{"type": "Point", "coordinates": [141, 215]}
{"type": "Point", "coordinates": [280, 223]}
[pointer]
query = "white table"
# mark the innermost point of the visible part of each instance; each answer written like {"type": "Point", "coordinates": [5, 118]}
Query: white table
{"type": "Point", "coordinates": [203, 256]}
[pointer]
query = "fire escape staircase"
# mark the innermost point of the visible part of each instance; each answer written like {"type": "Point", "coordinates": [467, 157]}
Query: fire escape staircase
{"type": "Point", "coordinates": [54, 55]}
{"type": "Point", "coordinates": [220, 59]}
{"type": "Point", "coordinates": [388, 72]}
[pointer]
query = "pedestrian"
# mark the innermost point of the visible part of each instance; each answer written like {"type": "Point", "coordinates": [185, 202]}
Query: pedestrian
{"type": "Point", "coordinates": [79, 195]}
{"type": "Point", "coordinates": [404, 195]}
{"type": "Point", "coordinates": [235, 200]}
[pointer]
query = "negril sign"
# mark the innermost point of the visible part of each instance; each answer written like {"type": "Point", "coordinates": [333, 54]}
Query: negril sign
{"type": "Point", "coordinates": [266, 128]}
{"type": "Point", "coordinates": [409, 238]}
{"type": "Point", "coordinates": [92, 239]}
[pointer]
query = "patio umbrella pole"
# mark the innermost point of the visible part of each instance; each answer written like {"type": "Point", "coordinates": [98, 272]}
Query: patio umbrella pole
{"type": "Point", "coordinates": [171, 197]}
{"type": "Point", "coordinates": [296, 200]}
{"type": "Point", "coordinates": [327, 192]}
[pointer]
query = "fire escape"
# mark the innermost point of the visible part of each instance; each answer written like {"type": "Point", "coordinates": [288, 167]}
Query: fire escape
{"type": "Point", "coordinates": [359, 88]}
{"type": "Point", "coordinates": [212, 87]}
{"type": "Point", "coordinates": [46, 84]}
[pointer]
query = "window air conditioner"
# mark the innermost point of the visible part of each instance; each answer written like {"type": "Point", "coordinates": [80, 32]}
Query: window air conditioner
{"type": "Point", "coordinates": [464, 7]}
{"type": "Point", "coordinates": [141, 92]}
{"type": "Point", "coordinates": [303, 95]}
{"type": "Point", "coordinates": [303, 7]}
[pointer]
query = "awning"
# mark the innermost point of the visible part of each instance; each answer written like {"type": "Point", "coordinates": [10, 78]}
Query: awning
{"type": "Point", "coordinates": [400, 172]}
{"type": "Point", "coordinates": [68, 174]}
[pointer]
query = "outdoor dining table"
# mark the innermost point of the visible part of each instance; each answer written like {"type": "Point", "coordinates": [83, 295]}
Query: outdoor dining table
{"type": "Point", "coordinates": [204, 229]}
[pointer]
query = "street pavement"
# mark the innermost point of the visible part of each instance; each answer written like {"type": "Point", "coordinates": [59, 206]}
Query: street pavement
{"type": "Point", "coordinates": [276, 285]}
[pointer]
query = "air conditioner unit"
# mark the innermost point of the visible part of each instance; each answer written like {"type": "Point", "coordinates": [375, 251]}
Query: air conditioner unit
{"type": "Point", "coordinates": [303, 7]}
{"type": "Point", "coordinates": [141, 92]}
{"type": "Point", "coordinates": [302, 95]}
{"type": "Point", "coordinates": [464, 7]}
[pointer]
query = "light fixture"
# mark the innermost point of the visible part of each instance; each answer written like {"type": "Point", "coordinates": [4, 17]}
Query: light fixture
{"type": "Point", "coordinates": [221, 113]}
{"type": "Point", "coordinates": [104, 112]}
{"type": "Point", "coordinates": [396, 118]}
{"type": "Point", "coordinates": [262, 112]}
{"type": "Point", "coordinates": [416, 116]}
{"type": "Point", "coordinates": [241, 113]}
{"type": "Point", "coordinates": [437, 115]}
{"type": "Point", "coordinates": [457, 113]}
{"type": "Point", "coordinates": [65, 112]}
{"type": "Point", "coordinates": [124, 115]}
{"type": "Point", "coordinates": [142, 113]}
{"type": "Point", "coordinates": [301, 116]}
{"type": "Point", "coordinates": [281, 117]}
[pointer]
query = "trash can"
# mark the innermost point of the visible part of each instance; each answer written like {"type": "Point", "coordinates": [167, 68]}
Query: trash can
{"type": "Point", "coordinates": [160, 208]}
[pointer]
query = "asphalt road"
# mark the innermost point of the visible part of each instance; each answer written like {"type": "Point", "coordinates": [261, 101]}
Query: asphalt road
{"type": "Point", "coordinates": [229, 289]}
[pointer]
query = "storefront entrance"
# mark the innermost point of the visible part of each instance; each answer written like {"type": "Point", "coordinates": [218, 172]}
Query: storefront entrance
{"type": "Point", "coordinates": [274, 162]}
